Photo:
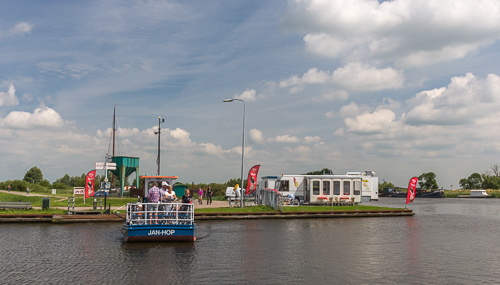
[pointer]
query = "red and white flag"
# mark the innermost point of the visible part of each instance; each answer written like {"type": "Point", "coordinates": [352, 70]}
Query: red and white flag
{"type": "Point", "coordinates": [252, 179]}
{"type": "Point", "coordinates": [89, 184]}
{"type": "Point", "coordinates": [412, 185]}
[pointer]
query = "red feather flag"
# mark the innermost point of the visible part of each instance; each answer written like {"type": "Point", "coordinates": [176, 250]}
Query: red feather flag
{"type": "Point", "coordinates": [412, 185]}
{"type": "Point", "coordinates": [252, 179]}
{"type": "Point", "coordinates": [89, 184]}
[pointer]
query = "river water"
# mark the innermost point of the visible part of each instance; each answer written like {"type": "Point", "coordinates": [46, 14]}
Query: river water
{"type": "Point", "coordinates": [448, 241]}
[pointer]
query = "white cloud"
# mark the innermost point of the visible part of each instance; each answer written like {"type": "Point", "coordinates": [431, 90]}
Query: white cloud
{"type": "Point", "coordinates": [327, 45]}
{"type": "Point", "coordinates": [41, 117]}
{"type": "Point", "coordinates": [333, 95]}
{"type": "Point", "coordinates": [285, 139]}
{"type": "Point", "coordinates": [360, 77]}
{"type": "Point", "coordinates": [210, 148]}
{"type": "Point", "coordinates": [312, 139]}
{"type": "Point", "coordinates": [409, 33]}
{"type": "Point", "coordinates": [353, 109]}
{"type": "Point", "coordinates": [330, 114]}
{"type": "Point", "coordinates": [21, 28]}
{"type": "Point", "coordinates": [376, 122]}
{"type": "Point", "coordinates": [181, 135]}
{"type": "Point", "coordinates": [312, 76]}
{"type": "Point", "coordinates": [9, 98]}
{"type": "Point", "coordinates": [465, 99]}
{"type": "Point", "coordinates": [256, 136]}
{"type": "Point", "coordinates": [247, 96]}
{"type": "Point", "coordinates": [353, 76]}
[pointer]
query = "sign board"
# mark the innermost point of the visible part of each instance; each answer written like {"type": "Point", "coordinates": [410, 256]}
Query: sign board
{"type": "Point", "coordinates": [102, 165]}
{"type": "Point", "coordinates": [53, 191]}
{"type": "Point", "coordinates": [78, 191]}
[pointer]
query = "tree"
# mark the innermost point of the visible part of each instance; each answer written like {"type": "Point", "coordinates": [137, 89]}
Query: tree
{"type": "Point", "coordinates": [474, 181]}
{"type": "Point", "coordinates": [34, 175]}
{"type": "Point", "coordinates": [64, 180]}
{"type": "Point", "coordinates": [428, 181]}
{"type": "Point", "coordinates": [491, 182]}
{"type": "Point", "coordinates": [385, 184]}
{"type": "Point", "coordinates": [496, 169]}
{"type": "Point", "coordinates": [320, 172]}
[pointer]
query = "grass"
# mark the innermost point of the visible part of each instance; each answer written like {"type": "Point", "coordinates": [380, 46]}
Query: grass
{"type": "Point", "coordinates": [336, 208]}
{"type": "Point", "coordinates": [32, 211]}
{"type": "Point", "coordinates": [292, 209]}
{"type": "Point", "coordinates": [251, 209]}
{"type": "Point", "coordinates": [36, 201]}
{"type": "Point", "coordinates": [115, 202]}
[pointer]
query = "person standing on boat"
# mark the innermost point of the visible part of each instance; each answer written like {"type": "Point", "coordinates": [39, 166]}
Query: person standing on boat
{"type": "Point", "coordinates": [153, 198]}
{"type": "Point", "coordinates": [170, 195]}
{"type": "Point", "coordinates": [187, 199]}
{"type": "Point", "coordinates": [163, 190]}
{"type": "Point", "coordinates": [210, 192]}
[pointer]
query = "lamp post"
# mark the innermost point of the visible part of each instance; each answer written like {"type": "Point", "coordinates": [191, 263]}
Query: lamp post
{"type": "Point", "coordinates": [160, 120]}
{"type": "Point", "coordinates": [242, 146]}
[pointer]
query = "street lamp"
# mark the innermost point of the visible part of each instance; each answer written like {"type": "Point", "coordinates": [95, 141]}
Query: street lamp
{"type": "Point", "coordinates": [242, 145]}
{"type": "Point", "coordinates": [160, 120]}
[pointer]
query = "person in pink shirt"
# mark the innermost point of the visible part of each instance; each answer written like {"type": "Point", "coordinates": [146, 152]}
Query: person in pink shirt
{"type": "Point", "coordinates": [200, 195]}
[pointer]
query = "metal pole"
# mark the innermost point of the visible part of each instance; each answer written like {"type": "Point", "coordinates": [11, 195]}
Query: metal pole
{"type": "Point", "coordinates": [242, 146]}
{"type": "Point", "coordinates": [242, 153]}
{"type": "Point", "coordinates": [158, 161]}
{"type": "Point", "coordinates": [159, 135]}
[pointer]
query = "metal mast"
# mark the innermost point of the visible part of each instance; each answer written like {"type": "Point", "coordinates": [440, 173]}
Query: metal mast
{"type": "Point", "coordinates": [160, 120]}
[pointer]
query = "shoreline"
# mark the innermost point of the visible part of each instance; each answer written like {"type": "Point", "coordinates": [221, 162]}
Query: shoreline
{"type": "Point", "coordinates": [120, 218]}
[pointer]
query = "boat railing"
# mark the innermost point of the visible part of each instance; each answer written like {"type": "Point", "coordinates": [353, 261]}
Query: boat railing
{"type": "Point", "coordinates": [160, 213]}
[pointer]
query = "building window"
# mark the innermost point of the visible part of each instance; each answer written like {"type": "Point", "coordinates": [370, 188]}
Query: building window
{"type": "Point", "coordinates": [357, 187]}
{"type": "Point", "coordinates": [347, 188]}
{"type": "Point", "coordinates": [284, 186]}
{"type": "Point", "coordinates": [326, 187]}
{"type": "Point", "coordinates": [336, 187]}
{"type": "Point", "coordinates": [315, 187]}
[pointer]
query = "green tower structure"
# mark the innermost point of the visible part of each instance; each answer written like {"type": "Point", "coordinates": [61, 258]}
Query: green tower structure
{"type": "Point", "coordinates": [125, 165]}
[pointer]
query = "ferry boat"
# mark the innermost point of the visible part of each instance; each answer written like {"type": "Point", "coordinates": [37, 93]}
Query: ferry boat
{"type": "Point", "coordinates": [169, 222]}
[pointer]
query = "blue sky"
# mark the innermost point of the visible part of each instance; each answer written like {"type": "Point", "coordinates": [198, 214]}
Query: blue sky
{"type": "Point", "coordinates": [397, 87]}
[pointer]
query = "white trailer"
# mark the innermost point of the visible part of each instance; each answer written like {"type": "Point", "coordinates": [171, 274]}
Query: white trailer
{"type": "Point", "coordinates": [362, 186]}
{"type": "Point", "coordinates": [369, 186]}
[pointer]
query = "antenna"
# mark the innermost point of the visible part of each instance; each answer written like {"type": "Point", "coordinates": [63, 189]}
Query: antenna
{"type": "Point", "coordinates": [158, 161]}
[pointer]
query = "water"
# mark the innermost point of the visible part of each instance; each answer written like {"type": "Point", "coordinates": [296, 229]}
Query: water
{"type": "Point", "coordinates": [449, 241]}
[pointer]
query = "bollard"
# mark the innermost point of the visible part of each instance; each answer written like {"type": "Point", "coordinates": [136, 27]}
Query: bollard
{"type": "Point", "coordinates": [95, 204]}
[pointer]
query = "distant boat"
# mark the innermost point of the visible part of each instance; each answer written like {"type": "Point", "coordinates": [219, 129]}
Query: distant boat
{"type": "Point", "coordinates": [476, 194]}
{"type": "Point", "coordinates": [419, 193]}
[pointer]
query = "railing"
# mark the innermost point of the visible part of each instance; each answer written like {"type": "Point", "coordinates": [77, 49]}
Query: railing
{"type": "Point", "coordinates": [269, 198]}
{"type": "Point", "coordinates": [160, 213]}
{"type": "Point", "coordinates": [71, 203]}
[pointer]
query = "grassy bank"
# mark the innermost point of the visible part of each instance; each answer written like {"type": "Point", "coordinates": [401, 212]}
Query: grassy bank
{"type": "Point", "coordinates": [293, 209]}
{"type": "Point", "coordinates": [32, 211]}
{"type": "Point", "coordinates": [36, 201]}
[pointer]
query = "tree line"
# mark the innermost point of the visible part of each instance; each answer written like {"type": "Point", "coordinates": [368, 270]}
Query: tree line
{"type": "Point", "coordinates": [35, 181]}
{"type": "Point", "coordinates": [488, 180]}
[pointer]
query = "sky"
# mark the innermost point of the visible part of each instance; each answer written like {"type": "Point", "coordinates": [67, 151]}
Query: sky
{"type": "Point", "coordinates": [397, 87]}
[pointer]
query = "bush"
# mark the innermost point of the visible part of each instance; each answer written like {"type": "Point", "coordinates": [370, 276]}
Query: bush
{"type": "Point", "coordinates": [36, 188]}
{"type": "Point", "coordinates": [45, 183]}
{"type": "Point", "coordinates": [59, 185]}
{"type": "Point", "coordinates": [19, 185]}
{"type": "Point", "coordinates": [4, 185]}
